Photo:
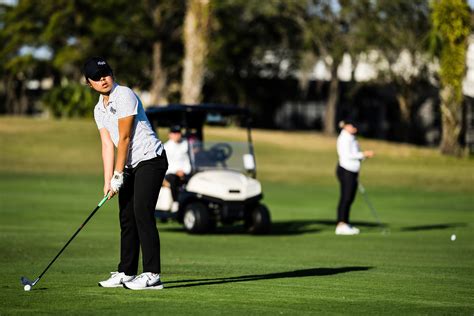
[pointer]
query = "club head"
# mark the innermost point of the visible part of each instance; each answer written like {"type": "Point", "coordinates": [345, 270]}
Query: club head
{"type": "Point", "coordinates": [26, 281]}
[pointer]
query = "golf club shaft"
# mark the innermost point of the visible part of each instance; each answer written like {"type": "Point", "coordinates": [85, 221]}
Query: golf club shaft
{"type": "Point", "coordinates": [75, 234]}
{"type": "Point", "coordinates": [369, 204]}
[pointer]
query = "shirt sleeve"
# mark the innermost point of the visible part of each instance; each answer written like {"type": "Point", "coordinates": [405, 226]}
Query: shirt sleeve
{"type": "Point", "coordinates": [98, 120]}
{"type": "Point", "coordinates": [186, 162]}
{"type": "Point", "coordinates": [357, 154]}
{"type": "Point", "coordinates": [127, 104]}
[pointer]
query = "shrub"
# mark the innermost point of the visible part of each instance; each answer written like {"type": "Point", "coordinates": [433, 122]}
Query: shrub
{"type": "Point", "coordinates": [72, 100]}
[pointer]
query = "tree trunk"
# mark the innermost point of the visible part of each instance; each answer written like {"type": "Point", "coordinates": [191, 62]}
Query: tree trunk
{"type": "Point", "coordinates": [9, 95]}
{"type": "Point", "coordinates": [16, 99]}
{"type": "Point", "coordinates": [333, 99]}
{"type": "Point", "coordinates": [451, 122]}
{"type": "Point", "coordinates": [307, 62]}
{"type": "Point", "coordinates": [405, 116]}
{"type": "Point", "coordinates": [22, 98]}
{"type": "Point", "coordinates": [159, 76]}
{"type": "Point", "coordinates": [196, 29]}
{"type": "Point", "coordinates": [404, 108]}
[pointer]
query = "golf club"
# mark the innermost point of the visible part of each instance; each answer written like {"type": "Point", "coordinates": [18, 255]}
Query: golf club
{"type": "Point", "coordinates": [28, 283]}
{"type": "Point", "coordinates": [371, 207]}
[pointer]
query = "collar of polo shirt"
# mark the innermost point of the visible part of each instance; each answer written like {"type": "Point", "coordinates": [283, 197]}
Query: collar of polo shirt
{"type": "Point", "coordinates": [112, 95]}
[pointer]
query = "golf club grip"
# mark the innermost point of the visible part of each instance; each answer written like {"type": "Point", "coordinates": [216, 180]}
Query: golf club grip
{"type": "Point", "coordinates": [75, 234]}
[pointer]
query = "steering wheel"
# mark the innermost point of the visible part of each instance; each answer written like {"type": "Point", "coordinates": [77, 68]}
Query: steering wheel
{"type": "Point", "coordinates": [220, 152]}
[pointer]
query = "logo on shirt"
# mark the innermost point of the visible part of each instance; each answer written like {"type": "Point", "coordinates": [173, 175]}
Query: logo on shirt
{"type": "Point", "coordinates": [112, 110]}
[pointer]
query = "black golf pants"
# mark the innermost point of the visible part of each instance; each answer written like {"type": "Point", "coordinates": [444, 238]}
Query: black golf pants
{"type": "Point", "coordinates": [175, 183]}
{"type": "Point", "coordinates": [348, 188]}
{"type": "Point", "coordinates": [137, 201]}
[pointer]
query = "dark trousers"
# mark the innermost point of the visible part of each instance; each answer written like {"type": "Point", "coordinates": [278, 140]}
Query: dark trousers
{"type": "Point", "coordinates": [137, 201]}
{"type": "Point", "coordinates": [348, 188]}
{"type": "Point", "coordinates": [175, 182]}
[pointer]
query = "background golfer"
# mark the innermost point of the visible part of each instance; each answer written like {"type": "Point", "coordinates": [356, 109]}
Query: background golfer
{"type": "Point", "coordinates": [347, 173]}
{"type": "Point", "coordinates": [140, 166]}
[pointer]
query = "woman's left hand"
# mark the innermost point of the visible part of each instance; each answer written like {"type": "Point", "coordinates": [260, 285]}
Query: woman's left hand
{"type": "Point", "coordinates": [108, 191]}
{"type": "Point", "coordinates": [111, 194]}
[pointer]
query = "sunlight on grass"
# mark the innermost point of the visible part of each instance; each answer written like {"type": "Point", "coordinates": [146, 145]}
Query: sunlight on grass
{"type": "Point", "coordinates": [73, 146]}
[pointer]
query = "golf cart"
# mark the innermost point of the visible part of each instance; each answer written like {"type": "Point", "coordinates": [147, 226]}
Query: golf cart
{"type": "Point", "coordinates": [221, 187]}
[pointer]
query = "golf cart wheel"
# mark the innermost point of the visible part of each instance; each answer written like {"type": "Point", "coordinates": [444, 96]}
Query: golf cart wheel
{"type": "Point", "coordinates": [196, 218]}
{"type": "Point", "coordinates": [258, 220]}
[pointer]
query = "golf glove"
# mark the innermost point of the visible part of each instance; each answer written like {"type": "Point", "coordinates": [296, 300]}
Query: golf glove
{"type": "Point", "coordinates": [117, 181]}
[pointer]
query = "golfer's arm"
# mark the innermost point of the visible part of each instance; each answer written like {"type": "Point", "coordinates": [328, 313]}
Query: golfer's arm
{"type": "Point", "coordinates": [125, 131]}
{"type": "Point", "coordinates": [107, 154]}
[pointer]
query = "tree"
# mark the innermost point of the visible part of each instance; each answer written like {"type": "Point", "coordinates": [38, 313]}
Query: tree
{"type": "Point", "coordinates": [196, 38]}
{"type": "Point", "coordinates": [400, 32]}
{"type": "Point", "coordinates": [19, 26]}
{"type": "Point", "coordinates": [124, 32]}
{"type": "Point", "coordinates": [253, 42]}
{"type": "Point", "coordinates": [166, 20]}
{"type": "Point", "coordinates": [332, 29]}
{"type": "Point", "coordinates": [451, 27]}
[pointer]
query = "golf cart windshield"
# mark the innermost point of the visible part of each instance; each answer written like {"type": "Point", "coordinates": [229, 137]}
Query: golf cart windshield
{"type": "Point", "coordinates": [221, 155]}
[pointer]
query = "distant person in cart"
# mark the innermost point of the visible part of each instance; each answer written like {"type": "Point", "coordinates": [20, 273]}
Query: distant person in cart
{"type": "Point", "coordinates": [179, 165]}
{"type": "Point", "coordinates": [350, 157]}
{"type": "Point", "coordinates": [135, 172]}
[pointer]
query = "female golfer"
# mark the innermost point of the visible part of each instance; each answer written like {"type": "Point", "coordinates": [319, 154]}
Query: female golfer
{"type": "Point", "coordinates": [347, 173]}
{"type": "Point", "coordinates": [138, 172]}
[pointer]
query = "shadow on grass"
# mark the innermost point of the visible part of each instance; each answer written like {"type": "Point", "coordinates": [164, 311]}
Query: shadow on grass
{"type": "Point", "coordinates": [280, 228]}
{"type": "Point", "coordinates": [314, 272]}
{"type": "Point", "coordinates": [432, 227]}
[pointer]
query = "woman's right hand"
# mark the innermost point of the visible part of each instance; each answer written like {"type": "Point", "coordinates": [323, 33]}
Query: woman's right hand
{"type": "Point", "coordinates": [369, 153]}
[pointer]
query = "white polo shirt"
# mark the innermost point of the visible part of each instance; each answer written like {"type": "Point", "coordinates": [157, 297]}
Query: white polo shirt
{"type": "Point", "coordinates": [349, 152]}
{"type": "Point", "coordinates": [123, 102]}
{"type": "Point", "coordinates": [177, 154]}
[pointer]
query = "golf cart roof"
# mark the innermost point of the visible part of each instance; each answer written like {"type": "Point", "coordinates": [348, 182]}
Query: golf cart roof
{"type": "Point", "coordinates": [192, 116]}
{"type": "Point", "coordinates": [198, 108]}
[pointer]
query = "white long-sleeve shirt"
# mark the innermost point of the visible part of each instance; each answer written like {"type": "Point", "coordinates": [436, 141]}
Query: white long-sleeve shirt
{"type": "Point", "coordinates": [349, 152]}
{"type": "Point", "coordinates": [177, 154]}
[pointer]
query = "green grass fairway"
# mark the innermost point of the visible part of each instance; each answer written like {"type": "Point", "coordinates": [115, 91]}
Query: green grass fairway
{"type": "Point", "coordinates": [50, 180]}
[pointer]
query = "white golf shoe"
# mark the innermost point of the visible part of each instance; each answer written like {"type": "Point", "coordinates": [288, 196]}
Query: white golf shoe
{"type": "Point", "coordinates": [145, 281]}
{"type": "Point", "coordinates": [346, 229]}
{"type": "Point", "coordinates": [116, 279]}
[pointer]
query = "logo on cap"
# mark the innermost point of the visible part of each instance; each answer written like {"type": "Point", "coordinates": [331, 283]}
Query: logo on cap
{"type": "Point", "coordinates": [101, 62]}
